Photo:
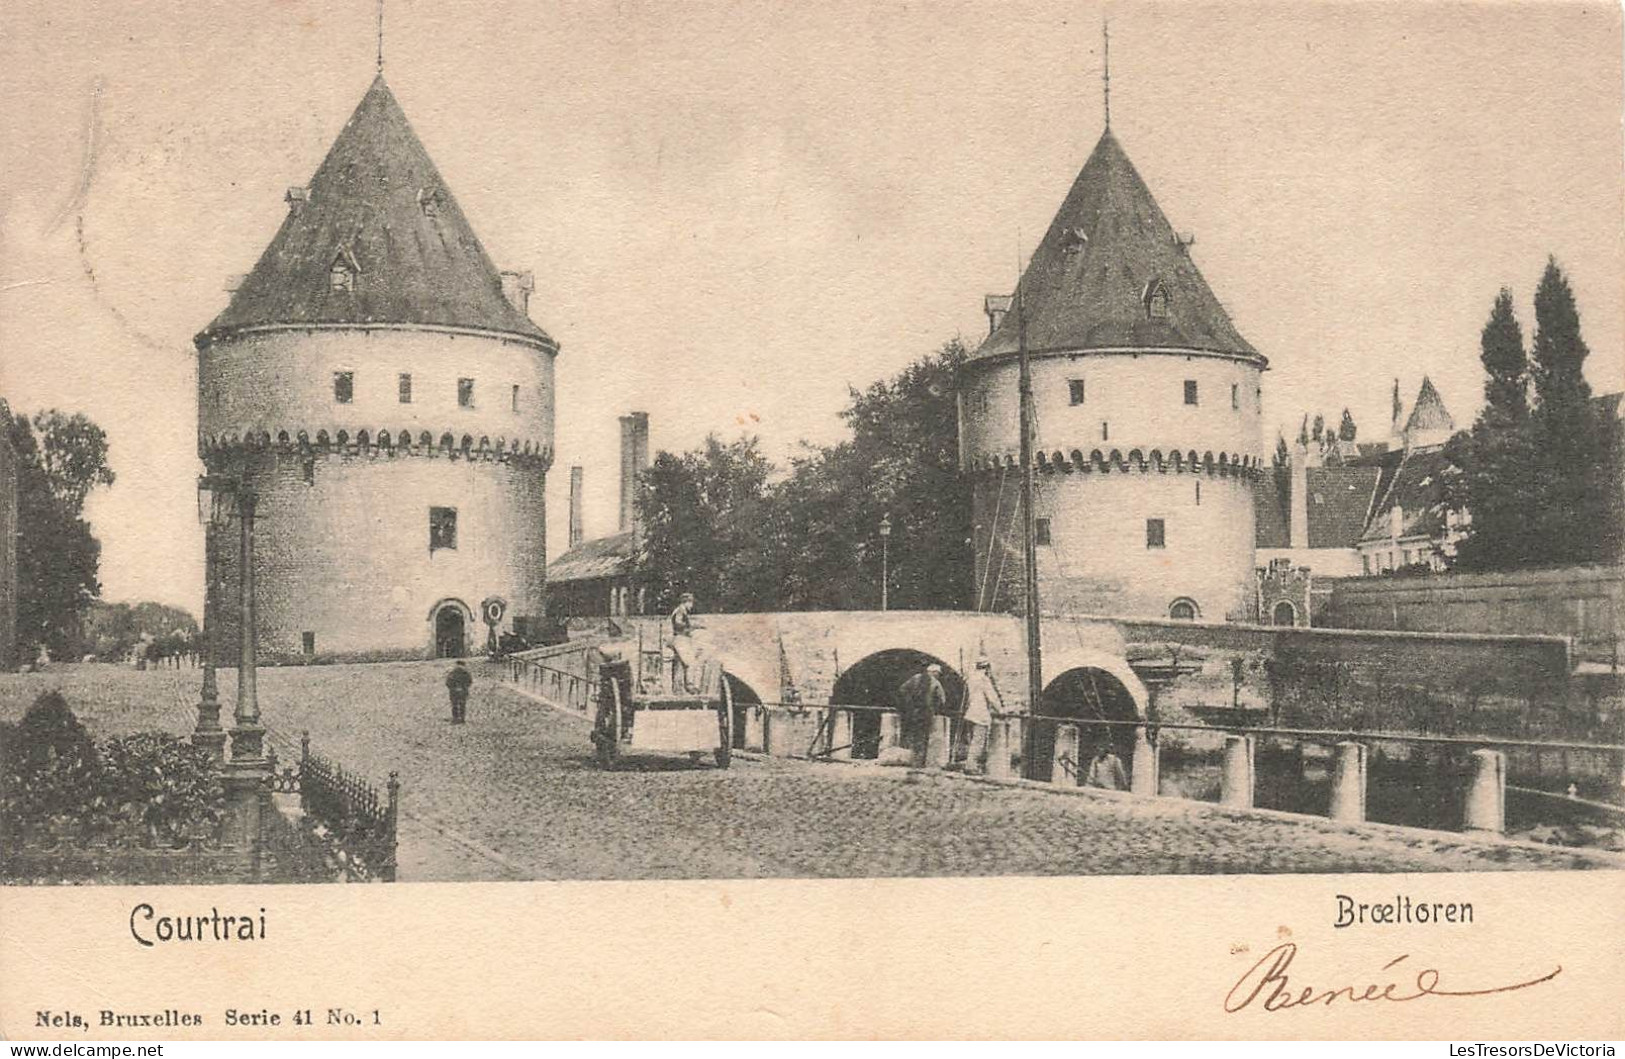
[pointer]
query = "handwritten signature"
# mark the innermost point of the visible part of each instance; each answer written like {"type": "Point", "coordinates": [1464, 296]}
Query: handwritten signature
{"type": "Point", "coordinates": [1268, 979]}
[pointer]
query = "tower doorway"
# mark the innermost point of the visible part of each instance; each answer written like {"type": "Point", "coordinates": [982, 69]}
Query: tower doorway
{"type": "Point", "coordinates": [449, 632]}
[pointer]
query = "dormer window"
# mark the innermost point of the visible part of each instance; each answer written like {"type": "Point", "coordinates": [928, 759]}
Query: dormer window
{"type": "Point", "coordinates": [430, 200]}
{"type": "Point", "coordinates": [341, 274]}
{"type": "Point", "coordinates": [1156, 300]}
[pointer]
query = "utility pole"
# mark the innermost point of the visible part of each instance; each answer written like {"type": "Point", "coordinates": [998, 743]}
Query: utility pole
{"type": "Point", "coordinates": [1029, 546]}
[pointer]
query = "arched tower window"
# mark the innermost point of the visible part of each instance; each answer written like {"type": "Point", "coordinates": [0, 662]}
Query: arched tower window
{"type": "Point", "coordinates": [1183, 609]}
{"type": "Point", "coordinates": [1156, 300]}
{"type": "Point", "coordinates": [1284, 614]}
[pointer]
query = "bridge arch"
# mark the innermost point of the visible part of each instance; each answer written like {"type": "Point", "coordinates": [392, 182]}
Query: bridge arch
{"type": "Point", "coordinates": [1086, 685]}
{"type": "Point", "coordinates": [874, 680]}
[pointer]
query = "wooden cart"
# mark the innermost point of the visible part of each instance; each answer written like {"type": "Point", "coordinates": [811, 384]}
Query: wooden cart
{"type": "Point", "coordinates": [632, 722]}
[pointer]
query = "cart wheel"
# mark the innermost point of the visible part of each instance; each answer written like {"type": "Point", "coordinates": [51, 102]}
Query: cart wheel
{"type": "Point", "coordinates": [725, 756]}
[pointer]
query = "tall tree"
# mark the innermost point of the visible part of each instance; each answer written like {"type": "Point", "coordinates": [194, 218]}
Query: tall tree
{"type": "Point", "coordinates": [1506, 364]}
{"type": "Point", "coordinates": [901, 466]}
{"type": "Point", "coordinates": [1496, 476]}
{"type": "Point", "coordinates": [60, 459]}
{"type": "Point", "coordinates": [709, 527]}
{"type": "Point", "coordinates": [1346, 430]}
{"type": "Point", "coordinates": [1572, 510]}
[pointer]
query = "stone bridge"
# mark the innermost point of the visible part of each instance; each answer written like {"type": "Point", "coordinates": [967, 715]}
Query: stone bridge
{"type": "Point", "coordinates": [1185, 672]}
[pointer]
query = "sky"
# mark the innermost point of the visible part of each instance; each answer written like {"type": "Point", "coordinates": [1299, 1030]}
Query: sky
{"type": "Point", "coordinates": [736, 211]}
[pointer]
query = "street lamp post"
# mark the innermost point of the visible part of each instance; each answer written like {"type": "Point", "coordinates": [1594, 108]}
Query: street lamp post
{"type": "Point", "coordinates": [208, 734]}
{"type": "Point", "coordinates": [885, 558]}
{"type": "Point", "coordinates": [245, 775]}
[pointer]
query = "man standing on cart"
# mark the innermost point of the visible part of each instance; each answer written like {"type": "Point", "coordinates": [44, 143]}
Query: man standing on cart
{"type": "Point", "coordinates": [683, 652]}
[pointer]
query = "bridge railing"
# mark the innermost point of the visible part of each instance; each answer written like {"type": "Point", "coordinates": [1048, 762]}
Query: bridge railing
{"type": "Point", "coordinates": [1435, 781]}
{"type": "Point", "coordinates": [571, 690]}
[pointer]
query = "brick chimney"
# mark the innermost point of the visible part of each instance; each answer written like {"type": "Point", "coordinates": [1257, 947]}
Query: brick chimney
{"type": "Point", "coordinates": [634, 461]}
{"type": "Point", "coordinates": [1300, 496]}
{"type": "Point", "coordinates": [575, 506]}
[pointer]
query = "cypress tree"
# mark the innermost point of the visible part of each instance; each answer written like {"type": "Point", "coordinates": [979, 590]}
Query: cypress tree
{"type": "Point", "coordinates": [1506, 365]}
{"type": "Point", "coordinates": [1570, 509]}
{"type": "Point", "coordinates": [1499, 481]}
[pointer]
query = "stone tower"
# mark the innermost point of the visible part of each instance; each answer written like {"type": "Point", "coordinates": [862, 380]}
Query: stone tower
{"type": "Point", "coordinates": [1146, 419]}
{"type": "Point", "coordinates": [379, 385]}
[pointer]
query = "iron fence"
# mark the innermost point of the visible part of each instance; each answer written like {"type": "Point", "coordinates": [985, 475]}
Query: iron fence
{"type": "Point", "coordinates": [349, 812]}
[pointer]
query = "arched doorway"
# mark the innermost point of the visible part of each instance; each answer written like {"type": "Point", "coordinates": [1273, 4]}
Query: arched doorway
{"type": "Point", "coordinates": [875, 680]}
{"type": "Point", "coordinates": [1284, 614]}
{"type": "Point", "coordinates": [1086, 694]}
{"type": "Point", "coordinates": [450, 630]}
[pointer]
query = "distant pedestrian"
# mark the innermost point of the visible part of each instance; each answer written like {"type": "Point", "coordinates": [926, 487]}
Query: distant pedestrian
{"type": "Point", "coordinates": [919, 701]}
{"type": "Point", "coordinates": [1106, 771]}
{"type": "Point", "coordinates": [458, 681]}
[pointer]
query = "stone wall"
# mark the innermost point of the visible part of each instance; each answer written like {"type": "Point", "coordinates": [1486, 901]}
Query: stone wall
{"type": "Point", "coordinates": [1098, 559]}
{"type": "Point", "coordinates": [1107, 466]}
{"type": "Point", "coordinates": [1230, 674]}
{"type": "Point", "coordinates": [345, 486]}
{"type": "Point", "coordinates": [1584, 604]}
{"type": "Point", "coordinates": [346, 554]}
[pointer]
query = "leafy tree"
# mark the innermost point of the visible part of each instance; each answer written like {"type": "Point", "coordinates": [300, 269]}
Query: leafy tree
{"type": "Point", "coordinates": [1282, 455]}
{"type": "Point", "coordinates": [1319, 428]}
{"type": "Point", "coordinates": [709, 527]}
{"type": "Point", "coordinates": [59, 460]}
{"type": "Point", "coordinates": [73, 455]}
{"type": "Point", "coordinates": [901, 465]}
{"type": "Point", "coordinates": [1346, 430]}
{"type": "Point", "coordinates": [716, 523]}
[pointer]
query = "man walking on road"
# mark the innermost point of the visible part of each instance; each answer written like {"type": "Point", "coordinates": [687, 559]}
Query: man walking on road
{"type": "Point", "coordinates": [458, 681]}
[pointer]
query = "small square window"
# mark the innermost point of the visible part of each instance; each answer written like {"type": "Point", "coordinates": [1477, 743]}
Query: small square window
{"type": "Point", "coordinates": [405, 382]}
{"type": "Point", "coordinates": [516, 398]}
{"type": "Point", "coordinates": [1075, 390]}
{"type": "Point", "coordinates": [1190, 391]}
{"type": "Point", "coordinates": [1041, 531]}
{"type": "Point", "coordinates": [308, 640]}
{"type": "Point", "coordinates": [1155, 533]}
{"type": "Point", "coordinates": [343, 386]}
{"type": "Point", "coordinates": [1235, 395]}
{"type": "Point", "coordinates": [442, 528]}
{"type": "Point", "coordinates": [465, 393]}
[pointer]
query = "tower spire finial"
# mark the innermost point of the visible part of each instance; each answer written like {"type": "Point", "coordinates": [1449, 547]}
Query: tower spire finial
{"type": "Point", "coordinates": [1106, 76]}
{"type": "Point", "coordinates": [380, 36]}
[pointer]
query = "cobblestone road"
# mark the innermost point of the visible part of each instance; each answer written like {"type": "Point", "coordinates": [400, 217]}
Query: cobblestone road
{"type": "Point", "coordinates": [514, 794]}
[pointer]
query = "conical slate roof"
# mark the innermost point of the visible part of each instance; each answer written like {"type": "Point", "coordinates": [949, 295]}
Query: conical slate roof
{"type": "Point", "coordinates": [1429, 412]}
{"type": "Point", "coordinates": [376, 205]}
{"type": "Point", "coordinates": [1092, 282]}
